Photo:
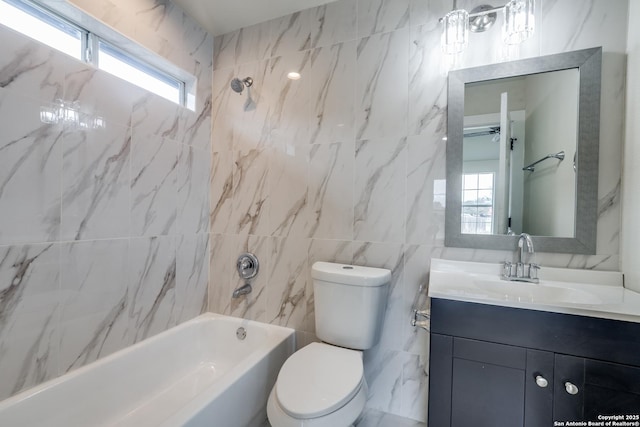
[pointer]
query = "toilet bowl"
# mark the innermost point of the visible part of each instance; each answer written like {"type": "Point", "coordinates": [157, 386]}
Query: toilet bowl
{"type": "Point", "coordinates": [319, 386]}
{"type": "Point", "coordinates": [323, 384]}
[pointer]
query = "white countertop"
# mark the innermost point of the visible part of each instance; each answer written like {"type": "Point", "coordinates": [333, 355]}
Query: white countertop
{"type": "Point", "coordinates": [561, 290]}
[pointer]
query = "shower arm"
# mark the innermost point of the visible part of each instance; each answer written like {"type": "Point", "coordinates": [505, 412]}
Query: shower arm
{"type": "Point", "coordinates": [531, 168]}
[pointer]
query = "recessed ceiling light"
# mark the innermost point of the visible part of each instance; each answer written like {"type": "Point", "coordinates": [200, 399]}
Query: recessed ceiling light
{"type": "Point", "coordinates": [293, 76]}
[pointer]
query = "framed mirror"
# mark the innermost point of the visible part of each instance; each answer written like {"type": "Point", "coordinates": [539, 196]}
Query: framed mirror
{"type": "Point", "coordinates": [522, 153]}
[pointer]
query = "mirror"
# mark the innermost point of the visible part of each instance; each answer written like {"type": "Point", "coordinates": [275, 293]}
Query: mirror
{"type": "Point", "coordinates": [522, 153]}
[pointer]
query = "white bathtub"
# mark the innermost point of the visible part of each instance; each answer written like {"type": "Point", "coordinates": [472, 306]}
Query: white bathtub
{"type": "Point", "coordinates": [196, 374]}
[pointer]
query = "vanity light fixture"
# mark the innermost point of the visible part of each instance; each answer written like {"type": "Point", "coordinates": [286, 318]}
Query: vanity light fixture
{"type": "Point", "coordinates": [519, 24]}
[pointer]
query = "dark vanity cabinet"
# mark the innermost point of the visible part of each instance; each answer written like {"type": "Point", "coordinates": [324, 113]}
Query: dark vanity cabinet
{"type": "Point", "coordinates": [495, 366]}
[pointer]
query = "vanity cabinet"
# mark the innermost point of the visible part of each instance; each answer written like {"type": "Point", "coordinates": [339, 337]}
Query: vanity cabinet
{"type": "Point", "coordinates": [499, 366]}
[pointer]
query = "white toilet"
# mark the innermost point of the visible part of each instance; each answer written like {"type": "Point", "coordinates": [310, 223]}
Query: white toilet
{"type": "Point", "coordinates": [322, 384]}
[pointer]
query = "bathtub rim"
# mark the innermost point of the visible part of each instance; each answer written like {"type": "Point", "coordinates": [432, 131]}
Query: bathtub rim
{"type": "Point", "coordinates": [274, 332]}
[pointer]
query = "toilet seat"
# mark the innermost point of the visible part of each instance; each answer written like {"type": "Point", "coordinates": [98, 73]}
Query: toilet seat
{"type": "Point", "coordinates": [318, 379]}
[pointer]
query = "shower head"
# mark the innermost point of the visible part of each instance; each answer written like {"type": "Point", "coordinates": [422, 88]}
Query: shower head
{"type": "Point", "coordinates": [238, 85]}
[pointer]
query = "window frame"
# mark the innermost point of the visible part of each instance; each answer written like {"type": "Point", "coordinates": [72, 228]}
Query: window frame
{"type": "Point", "coordinates": [90, 51]}
{"type": "Point", "coordinates": [477, 205]}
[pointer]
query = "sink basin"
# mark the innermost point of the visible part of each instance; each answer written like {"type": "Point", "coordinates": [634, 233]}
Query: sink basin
{"type": "Point", "coordinates": [538, 293]}
{"type": "Point", "coordinates": [560, 289]}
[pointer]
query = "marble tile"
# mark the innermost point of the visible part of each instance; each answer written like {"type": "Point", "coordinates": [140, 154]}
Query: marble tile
{"type": "Point", "coordinates": [114, 13]}
{"type": "Point", "coordinates": [289, 109]}
{"type": "Point", "coordinates": [29, 310]}
{"type": "Point", "coordinates": [224, 50]}
{"type": "Point", "coordinates": [225, 250]}
{"type": "Point", "coordinates": [380, 190]}
{"type": "Point", "coordinates": [154, 194]}
{"type": "Point", "coordinates": [95, 293]}
{"type": "Point", "coordinates": [156, 118]}
{"type": "Point", "coordinates": [221, 270]}
{"type": "Point", "coordinates": [252, 306]}
{"type": "Point", "coordinates": [381, 16]}
{"type": "Point", "coordinates": [373, 418]}
{"type": "Point", "coordinates": [415, 388]}
{"type": "Point", "coordinates": [382, 70]}
{"type": "Point", "coordinates": [96, 183]}
{"type": "Point", "coordinates": [250, 193]}
{"type": "Point", "coordinates": [288, 291]}
{"type": "Point", "coordinates": [417, 262]}
{"type": "Point", "coordinates": [383, 372]}
{"type": "Point", "coordinates": [608, 262]}
{"type": "Point", "coordinates": [428, 12]}
{"type": "Point", "coordinates": [564, 27]}
{"type": "Point", "coordinates": [331, 176]}
{"type": "Point", "coordinates": [609, 172]}
{"type": "Point", "coordinates": [339, 251]}
{"type": "Point", "coordinates": [426, 180]}
{"type": "Point", "coordinates": [391, 257]}
{"type": "Point", "coordinates": [161, 27]}
{"type": "Point", "coordinates": [427, 82]}
{"type": "Point", "coordinates": [257, 110]}
{"type": "Point", "coordinates": [197, 125]}
{"type": "Point", "coordinates": [288, 190]}
{"type": "Point", "coordinates": [193, 190]}
{"type": "Point", "coordinates": [334, 22]}
{"type": "Point", "coordinates": [192, 276]}
{"type": "Point", "coordinates": [71, 303]}
{"type": "Point", "coordinates": [228, 107]}
{"type": "Point", "coordinates": [30, 172]}
{"type": "Point", "coordinates": [247, 44]}
{"type": "Point", "coordinates": [221, 191]}
{"type": "Point", "coordinates": [86, 89]}
{"type": "Point", "coordinates": [30, 68]}
{"type": "Point", "coordinates": [291, 33]}
{"type": "Point", "coordinates": [198, 42]}
{"type": "Point", "coordinates": [151, 304]}
{"type": "Point", "coordinates": [253, 43]}
{"type": "Point", "coordinates": [332, 93]}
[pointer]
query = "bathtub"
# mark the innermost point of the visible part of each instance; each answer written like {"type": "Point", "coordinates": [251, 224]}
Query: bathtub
{"type": "Point", "coordinates": [196, 374]}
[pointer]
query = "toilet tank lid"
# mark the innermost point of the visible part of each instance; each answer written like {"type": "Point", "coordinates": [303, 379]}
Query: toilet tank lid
{"type": "Point", "coordinates": [355, 275]}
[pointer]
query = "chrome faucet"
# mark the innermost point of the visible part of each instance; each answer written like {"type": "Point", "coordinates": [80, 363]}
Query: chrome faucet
{"type": "Point", "coordinates": [243, 290]}
{"type": "Point", "coordinates": [248, 267]}
{"type": "Point", "coordinates": [521, 271]}
{"type": "Point", "coordinates": [524, 243]}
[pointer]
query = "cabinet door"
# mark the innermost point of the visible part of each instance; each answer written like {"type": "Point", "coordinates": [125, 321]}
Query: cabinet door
{"type": "Point", "coordinates": [440, 371]}
{"type": "Point", "coordinates": [599, 388]}
{"type": "Point", "coordinates": [488, 384]}
{"type": "Point", "coordinates": [538, 411]}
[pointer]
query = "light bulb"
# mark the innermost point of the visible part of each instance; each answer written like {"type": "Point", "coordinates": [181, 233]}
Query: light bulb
{"type": "Point", "coordinates": [455, 31]}
{"type": "Point", "coordinates": [519, 21]}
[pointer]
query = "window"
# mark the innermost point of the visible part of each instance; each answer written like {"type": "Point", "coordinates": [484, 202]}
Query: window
{"type": "Point", "coordinates": [477, 203]}
{"type": "Point", "coordinates": [118, 63]}
{"type": "Point", "coordinates": [49, 28]}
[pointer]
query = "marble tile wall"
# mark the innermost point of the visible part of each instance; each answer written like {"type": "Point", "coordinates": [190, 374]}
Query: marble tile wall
{"type": "Point", "coordinates": [103, 232]}
{"type": "Point", "coordinates": [343, 164]}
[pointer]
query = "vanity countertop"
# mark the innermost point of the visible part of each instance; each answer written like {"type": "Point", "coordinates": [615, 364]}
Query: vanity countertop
{"type": "Point", "coordinates": [561, 290]}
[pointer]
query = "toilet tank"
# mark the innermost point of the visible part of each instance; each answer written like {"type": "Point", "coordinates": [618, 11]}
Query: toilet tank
{"type": "Point", "coordinates": [350, 301]}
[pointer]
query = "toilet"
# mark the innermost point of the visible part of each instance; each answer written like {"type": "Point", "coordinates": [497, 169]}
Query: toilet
{"type": "Point", "coordinates": [323, 384]}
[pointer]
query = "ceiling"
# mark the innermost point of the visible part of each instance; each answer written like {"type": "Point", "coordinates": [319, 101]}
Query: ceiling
{"type": "Point", "coordinates": [223, 16]}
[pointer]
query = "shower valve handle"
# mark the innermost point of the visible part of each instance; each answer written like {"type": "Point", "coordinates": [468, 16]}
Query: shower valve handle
{"type": "Point", "coordinates": [247, 266]}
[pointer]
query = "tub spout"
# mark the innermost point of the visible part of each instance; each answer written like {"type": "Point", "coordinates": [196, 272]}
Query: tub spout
{"type": "Point", "coordinates": [243, 290]}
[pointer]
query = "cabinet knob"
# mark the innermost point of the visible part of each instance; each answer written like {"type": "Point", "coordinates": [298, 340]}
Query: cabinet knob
{"type": "Point", "coordinates": [571, 388]}
{"type": "Point", "coordinates": [541, 381]}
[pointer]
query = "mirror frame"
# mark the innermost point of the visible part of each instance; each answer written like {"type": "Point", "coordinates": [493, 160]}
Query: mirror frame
{"type": "Point", "coordinates": [589, 63]}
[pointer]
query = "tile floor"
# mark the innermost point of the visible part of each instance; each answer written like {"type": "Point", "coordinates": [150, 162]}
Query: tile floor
{"type": "Point", "coordinates": [373, 418]}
